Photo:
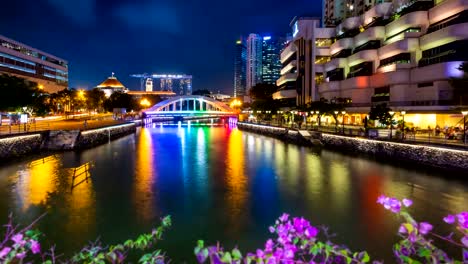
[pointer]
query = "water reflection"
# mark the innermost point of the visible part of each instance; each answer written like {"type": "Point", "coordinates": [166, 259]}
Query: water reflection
{"type": "Point", "coordinates": [236, 181]}
{"type": "Point", "coordinates": [145, 176]}
{"type": "Point", "coordinates": [36, 181]}
{"type": "Point", "coordinates": [219, 184]}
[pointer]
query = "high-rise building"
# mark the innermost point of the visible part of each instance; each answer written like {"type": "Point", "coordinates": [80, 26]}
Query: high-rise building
{"type": "Point", "coordinates": [403, 54]}
{"type": "Point", "coordinates": [271, 63]}
{"type": "Point", "coordinates": [48, 71]}
{"type": "Point", "coordinates": [240, 69]}
{"type": "Point", "coordinates": [302, 61]}
{"type": "Point", "coordinates": [334, 11]}
{"type": "Point", "coordinates": [254, 61]}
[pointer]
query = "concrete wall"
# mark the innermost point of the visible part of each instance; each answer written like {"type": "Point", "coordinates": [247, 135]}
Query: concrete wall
{"type": "Point", "coordinates": [14, 147]}
{"type": "Point", "coordinates": [19, 146]}
{"type": "Point", "coordinates": [413, 154]}
{"type": "Point", "coordinates": [91, 138]}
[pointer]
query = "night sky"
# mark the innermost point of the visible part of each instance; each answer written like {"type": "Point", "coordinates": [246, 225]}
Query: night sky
{"type": "Point", "coordinates": [98, 37]}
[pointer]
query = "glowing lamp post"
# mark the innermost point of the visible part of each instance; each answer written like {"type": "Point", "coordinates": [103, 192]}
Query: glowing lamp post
{"type": "Point", "coordinates": [464, 113]}
{"type": "Point", "coordinates": [403, 113]}
{"type": "Point", "coordinates": [145, 103]}
{"type": "Point", "coordinates": [336, 121]}
{"type": "Point", "coordinates": [392, 113]}
{"type": "Point", "coordinates": [318, 118]}
{"type": "Point", "coordinates": [342, 121]}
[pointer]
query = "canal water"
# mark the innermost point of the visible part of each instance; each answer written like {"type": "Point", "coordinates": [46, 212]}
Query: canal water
{"type": "Point", "coordinates": [218, 184]}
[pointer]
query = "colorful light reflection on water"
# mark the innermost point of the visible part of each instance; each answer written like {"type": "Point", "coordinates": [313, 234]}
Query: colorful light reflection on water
{"type": "Point", "coordinates": [219, 184]}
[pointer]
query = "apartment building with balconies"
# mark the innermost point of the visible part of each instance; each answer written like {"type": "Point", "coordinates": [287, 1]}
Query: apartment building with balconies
{"type": "Point", "coordinates": [404, 54]}
{"type": "Point", "coordinates": [303, 59]}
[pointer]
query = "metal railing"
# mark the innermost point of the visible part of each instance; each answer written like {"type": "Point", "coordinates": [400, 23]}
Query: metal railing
{"type": "Point", "coordinates": [422, 137]}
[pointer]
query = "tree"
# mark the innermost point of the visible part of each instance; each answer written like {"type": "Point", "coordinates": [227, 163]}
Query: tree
{"type": "Point", "coordinates": [17, 92]}
{"type": "Point", "coordinates": [263, 91]}
{"type": "Point", "coordinates": [203, 92]}
{"type": "Point", "coordinates": [120, 100]}
{"type": "Point", "coordinates": [381, 113]}
{"type": "Point", "coordinates": [460, 85]}
{"type": "Point", "coordinates": [95, 99]}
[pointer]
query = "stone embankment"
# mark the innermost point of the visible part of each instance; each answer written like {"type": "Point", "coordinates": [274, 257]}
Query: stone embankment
{"type": "Point", "coordinates": [18, 146]}
{"type": "Point", "coordinates": [412, 154]}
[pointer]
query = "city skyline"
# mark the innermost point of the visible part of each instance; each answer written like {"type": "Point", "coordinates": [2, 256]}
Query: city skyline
{"type": "Point", "coordinates": [105, 36]}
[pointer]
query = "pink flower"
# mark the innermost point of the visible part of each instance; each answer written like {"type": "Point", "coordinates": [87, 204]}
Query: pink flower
{"type": "Point", "coordinates": [272, 229]}
{"type": "Point", "coordinates": [269, 245]}
{"type": "Point", "coordinates": [284, 217]}
{"type": "Point", "coordinates": [464, 240]}
{"type": "Point", "coordinates": [381, 199]}
{"type": "Point", "coordinates": [311, 232]}
{"type": "Point", "coordinates": [18, 238]}
{"type": "Point", "coordinates": [407, 202]}
{"type": "Point", "coordinates": [4, 252]}
{"type": "Point", "coordinates": [35, 247]}
{"type": "Point", "coordinates": [425, 228]}
{"type": "Point", "coordinates": [449, 219]}
{"type": "Point", "coordinates": [21, 255]}
{"type": "Point", "coordinates": [402, 230]}
{"type": "Point", "coordinates": [463, 219]}
{"type": "Point", "coordinates": [260, 253]}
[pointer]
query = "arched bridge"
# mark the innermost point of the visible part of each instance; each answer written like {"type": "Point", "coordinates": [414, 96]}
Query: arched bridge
{"type": "Point", "coordinates": [189, 107]}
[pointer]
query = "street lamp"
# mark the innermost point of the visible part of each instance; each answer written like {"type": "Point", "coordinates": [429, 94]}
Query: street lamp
{"type": "Point", "coordinates": [464, 113]}
{"type": "Point", "coordinates": [318, 118]}
{"type": "Point", "coordinates": [144, 102]}
{"type": "Point", "coordinates": [392, 113]}
{"type": "Point", "coordinates": [342, 120]}
{"type": "Point", "coordinates": [403, 113]}
{"type": "Point", "coordinates": [336, 121]}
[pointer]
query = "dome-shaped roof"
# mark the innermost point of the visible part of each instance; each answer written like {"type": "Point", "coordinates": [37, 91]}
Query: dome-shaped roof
{"type": "Point", "coordinates": [111, 82]}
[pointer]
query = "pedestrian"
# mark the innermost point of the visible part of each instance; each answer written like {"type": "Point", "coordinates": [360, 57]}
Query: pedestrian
{"type": "Point", "coordinates": [85, 124]}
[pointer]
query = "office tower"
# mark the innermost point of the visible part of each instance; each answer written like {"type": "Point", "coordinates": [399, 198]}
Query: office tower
{"type": "Point", "coordinates": [271, 64]}
{"type": "Point", "coordinates": [48, 71]}
{"type": "Point", "coordinates": [240, 69]}
{"type": "Point", "coordinates": [254, 61]}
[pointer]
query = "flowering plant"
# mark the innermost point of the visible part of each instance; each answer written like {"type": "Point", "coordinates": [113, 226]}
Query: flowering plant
{"type": "Point", "coordinates": [22, 246]}
{"type": "Point", "coordinates": [297, 241]}
{"type": "Point", "coordinates": [417, 244]}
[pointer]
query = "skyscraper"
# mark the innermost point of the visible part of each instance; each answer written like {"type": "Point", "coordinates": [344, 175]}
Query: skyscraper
{"type": "Point", "coordinates": [240, 69]}
{"type": "Point", "coordinates": [271, 64]}
{"type": "Point", "coordinates": [254, 61]}
{"type": "Point", "coordinates": [334, 11]}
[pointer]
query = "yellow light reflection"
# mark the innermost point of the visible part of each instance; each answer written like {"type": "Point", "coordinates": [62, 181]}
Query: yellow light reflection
{"type": "Point", "coordinates": [36, 181]}
{"type": "Point", "coordinates": [81, 203]}
{"type": "Point", "coordinates": [143, 195]}
{"type": "Point", "coordinates": [236, 181]}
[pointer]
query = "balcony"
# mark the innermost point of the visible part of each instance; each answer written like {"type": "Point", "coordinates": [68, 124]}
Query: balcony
{"type": "Point", "coordinates": [390, 78]}
{"type": "Point", "coordinates": [341, 44]}
{"type": "Point", "coordinates": [417, 19]}
{"type": "Point", "coordinates": [370, 45]}
{"type": "Point", "coordinates": [444, 36]}
{"type": "Point", "coordinates": [378, 11]}
{"type": "Point", "coordinates": [289, 67]}
{"type": "Point", "coordinates": [285, 94]}
{"type": "Point", "coordinates": [336, 63]}
{"type": "Point", "coordinates": [288, 52]}
{"type": "Point", "coordinates": [435, 72]}
{"type": "Point", "coordinates": [404, 45]}
{"type": "Point", "coordinates": [329, 86]}
{"type": "Point", "coordinates": [347, 25]}
{"type": "Point", "coordinates": [362, 56]}
{"type": "Point", "coordinates": [375, 33]}
{"type": "Point", "coordinates": [289, 77]}
{"type": "Point", "coordinates": [447, 9]}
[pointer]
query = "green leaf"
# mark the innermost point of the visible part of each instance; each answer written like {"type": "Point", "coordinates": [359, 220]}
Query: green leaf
{"type": "Point", "coordinates": [365, 257]}
{"type": "Point", "coordinates": [424, 252]}
{"type": "Point", "coordinates": [236, 254]}
{"type": "Point", "coordinates": [226, 258]}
